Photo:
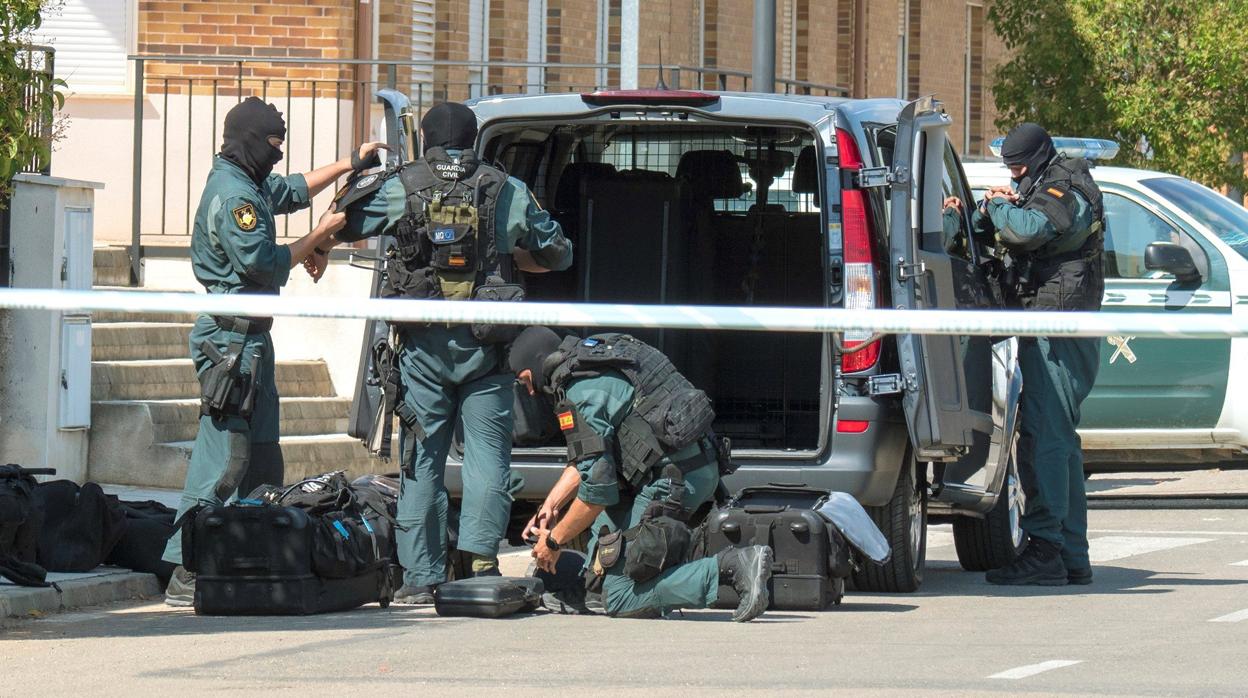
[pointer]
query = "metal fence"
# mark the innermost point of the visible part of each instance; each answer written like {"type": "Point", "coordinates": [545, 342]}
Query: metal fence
{"type": "Point", "coordinates": [328, 106]}
{"type": "Point", "coordinates": [39, 60]}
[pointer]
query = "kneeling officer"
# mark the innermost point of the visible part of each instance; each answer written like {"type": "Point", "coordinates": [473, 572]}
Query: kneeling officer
{"type": "Point", "coordinates": [641, 458]}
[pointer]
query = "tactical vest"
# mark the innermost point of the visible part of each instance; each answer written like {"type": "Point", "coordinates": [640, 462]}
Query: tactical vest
{"type": "Point", "coordinates": [1068, 272]}
{"type": "Point", "coordinates": [668, 413]}
{"type": "Point", "coordinates": [445, 243]}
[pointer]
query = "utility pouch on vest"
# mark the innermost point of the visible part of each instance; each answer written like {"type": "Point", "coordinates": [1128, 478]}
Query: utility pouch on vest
{"type": "Point", "coordinates": [495, 289]}
{"type": "Point", "coordinates": [723, 454]}
{"type": "Point", "coordinates": [224, 391]}
{"type": "Point", "coordinates": [639, 450]}
{"type": "Point", "coordinates": [682, 417]}
{"type": "Point", "coordinates": [607, 552]}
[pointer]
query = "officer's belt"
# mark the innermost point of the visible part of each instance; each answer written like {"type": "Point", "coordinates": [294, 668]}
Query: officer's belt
{"type": "Point", "coordinates": [242, 324]}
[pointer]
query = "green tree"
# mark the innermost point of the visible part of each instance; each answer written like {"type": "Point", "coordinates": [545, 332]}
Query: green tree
{"type": "Point", "coordinates": [1169, 73]}
{"type": "Point", "coordinates": [28, 95]}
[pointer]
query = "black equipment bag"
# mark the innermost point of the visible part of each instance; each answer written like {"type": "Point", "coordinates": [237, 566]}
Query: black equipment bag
{"type": "Point", "coordinates": [812, 559]}
{"type": "Point", "coordinates": [81, 525]}
{"type": "Point", "coordinates": [263, 560]}
{"type": "Point", "coordinates": [20, 523]}
{"type": "Point", "coordinates": [488, 597]}
{"type": "Point", "coordinates": [149, 525]}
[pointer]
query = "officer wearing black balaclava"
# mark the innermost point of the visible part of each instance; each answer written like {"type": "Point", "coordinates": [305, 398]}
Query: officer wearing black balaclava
{"type": "Point", "coordinates": [1052, 224]}
{"type": "Point", "coordinates": [461, 229]}
{"type": "Point", "coordinates": [234, 249]}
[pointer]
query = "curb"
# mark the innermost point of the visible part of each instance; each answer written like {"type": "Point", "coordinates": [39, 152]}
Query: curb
{"type": "Point", "coordinates": [109, 587]}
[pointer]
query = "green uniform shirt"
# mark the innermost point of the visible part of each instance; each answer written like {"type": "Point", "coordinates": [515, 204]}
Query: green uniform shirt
{"type": "Point", "coordinates": [1027, 230]}
{"type": "Point", "coordinates": [603, 403]}
{"type": "Point", "coordinates": [234, 241]}
{"type": "Point", "coordinates": [518, 221]}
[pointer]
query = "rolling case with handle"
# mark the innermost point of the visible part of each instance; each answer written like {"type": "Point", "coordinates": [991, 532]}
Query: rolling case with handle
{"type": "Point", "coordinates": [811, 557]}
{"type": "Point", "coordinates": [262, 560]}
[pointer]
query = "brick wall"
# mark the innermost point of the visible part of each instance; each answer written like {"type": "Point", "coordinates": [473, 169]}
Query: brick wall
{"type": "Point", "coordinates": [394, 36]}
{"type": "Point", "coordinates": [275, 29]}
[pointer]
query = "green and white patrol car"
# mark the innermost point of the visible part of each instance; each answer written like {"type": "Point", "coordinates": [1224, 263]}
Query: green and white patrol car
{"type": "Point", "coordinates": [1162, 401]}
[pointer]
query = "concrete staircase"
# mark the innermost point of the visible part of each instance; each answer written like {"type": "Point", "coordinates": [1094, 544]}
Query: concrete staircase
{"type": "Point", "coordinates": [145, 400]}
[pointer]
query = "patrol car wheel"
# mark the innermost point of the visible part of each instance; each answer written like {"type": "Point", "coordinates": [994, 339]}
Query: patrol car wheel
{"type": "Point", "coordinates": [995, 540]}
{"type": "Point", "coordinates": [904, 522]}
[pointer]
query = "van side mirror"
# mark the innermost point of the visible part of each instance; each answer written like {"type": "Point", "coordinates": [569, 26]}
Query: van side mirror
{"type": "Point", "coordinates": [1173, 258]}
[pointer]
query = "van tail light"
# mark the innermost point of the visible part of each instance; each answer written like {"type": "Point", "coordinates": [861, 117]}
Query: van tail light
{"type": "Point", "coordinates": [860, 270]}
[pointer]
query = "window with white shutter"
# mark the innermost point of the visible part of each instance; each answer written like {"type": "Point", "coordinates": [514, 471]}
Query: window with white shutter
{"type": "Point", "coordinates": [92, 39]}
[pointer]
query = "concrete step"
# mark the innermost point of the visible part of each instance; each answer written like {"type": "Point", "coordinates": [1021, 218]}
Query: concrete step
{"type": "Point", "coordinates": [128, 341]}
{"type": "Point", "coordinates": [111, 266]}
{"type": "Point", "coordinates": [174, 379]}
{"type": "Point", "coordinates": [178, 420]}
{"type": "Point", "coordinates": [99, 317]}
{"type": "Point", "coordinates": [305, 456]}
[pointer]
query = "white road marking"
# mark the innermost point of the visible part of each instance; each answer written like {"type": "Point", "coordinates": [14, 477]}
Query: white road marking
{"type": "Point", "coordinates": [1241, 563]}
{"type": "Point", "coordinates": [1231, 617]}
{"type": "Point", "coordinates": [1109, 548]}
{"type": "Point", "coordinates": [1023, 672]}
{"type": "Point", "coordinates": [1168, 533]}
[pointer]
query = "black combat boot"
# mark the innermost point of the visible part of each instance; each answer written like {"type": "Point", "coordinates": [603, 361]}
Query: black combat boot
{"type": "Point", "coordinates": [414, 595]}
{"type": "Point", "coordinates": [181, 589]}
{"type": "Point", "coordinates": [1040, 564]}
{"type": "Point", "coordinates": [1079, 575]}
{"type": "Point", "coordinates": [748, 570]}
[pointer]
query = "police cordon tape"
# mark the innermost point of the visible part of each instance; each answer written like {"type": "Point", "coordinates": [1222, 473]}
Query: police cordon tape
{"type": "Point", "coordinates": [766, 319]}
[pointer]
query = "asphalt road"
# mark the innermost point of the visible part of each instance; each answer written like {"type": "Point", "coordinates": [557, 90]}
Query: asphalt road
{"type": "Point", "coordinates": [1167, 615]}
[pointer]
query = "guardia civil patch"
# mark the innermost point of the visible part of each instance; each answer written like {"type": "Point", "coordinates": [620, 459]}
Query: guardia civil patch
{"type": "Point", "coordinates": [566, 423]}
{"type": "Point", "coordinates": [246, 217]}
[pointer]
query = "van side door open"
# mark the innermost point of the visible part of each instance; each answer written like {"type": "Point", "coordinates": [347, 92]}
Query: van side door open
{"type": "Point", "coordinates": [942, 418]}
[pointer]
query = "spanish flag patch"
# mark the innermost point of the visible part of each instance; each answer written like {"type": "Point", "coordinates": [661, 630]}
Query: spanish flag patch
{"type": "Point", "coordinates": [566, 423]}
{"type": "Point", "coordinates": [1056, 192]}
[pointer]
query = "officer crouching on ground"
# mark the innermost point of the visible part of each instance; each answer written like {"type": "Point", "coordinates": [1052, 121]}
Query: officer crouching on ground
{"type": "Point", "coordinates": [460, 226]}
{"type": "Point", "coordinates": [234, 250]}
{"type": "Point", "coordinates": [1052, 224]}
{"type": "Point", "coordinates": [609, 390]}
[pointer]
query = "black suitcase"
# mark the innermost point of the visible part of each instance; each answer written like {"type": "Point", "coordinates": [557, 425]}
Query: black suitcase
{"type": "Point", "coordinates": [811, 557]}
{"type": "Point", "coordinates": [257, 560]}
{"type": "Point", "coordinates": [488, 597]}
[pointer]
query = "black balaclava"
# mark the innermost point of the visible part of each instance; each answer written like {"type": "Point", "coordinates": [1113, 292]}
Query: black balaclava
{"type": "Point", "coordinates": [246, 137]}
{"type": "Point", "coordinates": [1028, 144]}
{"type": "Point", "coordinates": [449, 125]}
{"type": "Point", "coordinates": [530, 351]}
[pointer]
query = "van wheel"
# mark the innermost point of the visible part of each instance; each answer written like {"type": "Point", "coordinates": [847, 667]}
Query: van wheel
{"type": "Point", "coordinates": [904, 522]}
{"type": "Point", "coordinates": [995, 540]}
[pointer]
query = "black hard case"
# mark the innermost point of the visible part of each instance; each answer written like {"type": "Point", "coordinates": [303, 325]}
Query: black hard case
{"type": "Point", "coordinates": [811, 559]}
{"type": "Point", "coordinates": [488, 597]}
{"type": "Point", "coordinates": [257, 561]}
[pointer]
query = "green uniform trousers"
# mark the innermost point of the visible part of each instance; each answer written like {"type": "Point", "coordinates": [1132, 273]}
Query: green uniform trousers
{"type": "Point", "coordinates": [449, 378]}
{"type": "Point", "coordinates": [1058, 373]}
{"type": "Point", "coordinates": [691, 585]}
{"type": "Point", "coordinates": [245, 450]}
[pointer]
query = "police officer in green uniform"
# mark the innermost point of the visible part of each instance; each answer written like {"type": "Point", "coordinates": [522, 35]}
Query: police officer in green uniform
{"type": "Point", "coordinates": [609, 391]}
{"type": "Point", "coordinates": [234, 250]}
{"type": "Point", "coordinates": [1052, 224]}
{"type": "Point", "coordinates": [460, 227]}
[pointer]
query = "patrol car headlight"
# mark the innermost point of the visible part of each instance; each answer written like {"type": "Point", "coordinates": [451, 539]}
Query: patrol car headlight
{"type": "Point", "coordinates": [1086, 148]}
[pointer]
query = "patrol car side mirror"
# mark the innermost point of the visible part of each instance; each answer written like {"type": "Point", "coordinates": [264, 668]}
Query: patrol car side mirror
{"type": "Point", "coordinates": [1173, 258]}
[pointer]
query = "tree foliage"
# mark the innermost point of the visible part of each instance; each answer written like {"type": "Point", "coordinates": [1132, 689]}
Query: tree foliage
{"type": "Point", "coordinates": [1166, 77]}
{"type": "Point", "coordinates": [28, 94]}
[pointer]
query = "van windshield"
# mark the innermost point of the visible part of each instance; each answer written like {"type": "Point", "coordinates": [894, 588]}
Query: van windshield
{"type": "Point", "coordinates": [1227, 219]}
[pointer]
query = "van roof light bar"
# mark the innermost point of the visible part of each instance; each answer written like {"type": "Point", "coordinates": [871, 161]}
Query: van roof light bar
{"type": "Point", "coordinates": [1086, 148]}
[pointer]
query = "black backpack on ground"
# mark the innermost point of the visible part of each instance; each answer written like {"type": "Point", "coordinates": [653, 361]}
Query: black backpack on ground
{"type": "Point", "coordinates": [20, 522]}
{"type": "Point", "coordinates": [81, 525]}
{"type": "Point", "coordinates": [149, 525]}
{"type": "Point", "coordinates": [319, 545]}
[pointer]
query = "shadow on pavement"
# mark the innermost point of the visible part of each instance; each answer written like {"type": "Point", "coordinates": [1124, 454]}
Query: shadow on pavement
{"type": "Point", "coordinates": [1101, 485]}
{"type": "Point", "coordinates": [1107, 579]}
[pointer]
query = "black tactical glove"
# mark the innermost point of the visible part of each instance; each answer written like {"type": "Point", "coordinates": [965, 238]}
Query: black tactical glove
{"type": "Point", "coordinates": [373, 160]}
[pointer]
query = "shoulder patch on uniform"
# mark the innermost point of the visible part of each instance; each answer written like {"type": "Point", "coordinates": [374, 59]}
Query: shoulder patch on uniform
{"type": "Point", "coordinates": [1056, 192]}
{"type": "Point", "coordinates": [590, 342]}
{"type": "Point", "coordinates": [246, 218]}
{"type": "Point", "coordinates": [566, 421]}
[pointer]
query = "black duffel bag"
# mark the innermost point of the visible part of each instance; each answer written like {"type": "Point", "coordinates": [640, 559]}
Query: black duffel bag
{"type": "Point", "coordinates": [80, 525]}
{"type": "Point", "coordinates": [20, 522]}
{"type": "Point", "coordinates": [149, 525]}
